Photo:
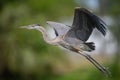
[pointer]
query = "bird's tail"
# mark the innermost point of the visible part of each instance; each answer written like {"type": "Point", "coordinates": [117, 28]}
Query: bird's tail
{"type": "Point", "coordinates": [96, 64]}
{"type": "Point", "coordinates": [88, 46]}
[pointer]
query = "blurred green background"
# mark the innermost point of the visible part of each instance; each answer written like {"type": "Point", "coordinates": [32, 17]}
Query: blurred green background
{"type": "Point", "coordinates": [25, 56]}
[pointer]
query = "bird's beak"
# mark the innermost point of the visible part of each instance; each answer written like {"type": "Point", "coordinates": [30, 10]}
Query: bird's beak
{"type": "Point", "coordinates": [33, 26]}
{"type": "Point", "coordinates": [27, 27]}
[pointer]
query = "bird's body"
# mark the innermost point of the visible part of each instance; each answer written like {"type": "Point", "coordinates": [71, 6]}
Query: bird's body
{"type": "Point", "coordinates": [74, 38]}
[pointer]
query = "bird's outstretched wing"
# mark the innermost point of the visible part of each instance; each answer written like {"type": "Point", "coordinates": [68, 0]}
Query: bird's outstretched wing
{"type": "Point", "coordinates": [83, 24]}
{"type": "Point", "coordinates": [60, 29]}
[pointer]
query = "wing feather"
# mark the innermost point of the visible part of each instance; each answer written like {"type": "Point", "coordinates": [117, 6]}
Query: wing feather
{"type": "Point", "coordinates": [59, 28]}
{"type": "Point", "coordinates": [83, 24]}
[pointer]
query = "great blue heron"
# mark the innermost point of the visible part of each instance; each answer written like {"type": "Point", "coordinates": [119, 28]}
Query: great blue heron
{"type": "Point", "coordinates": [74, 37]}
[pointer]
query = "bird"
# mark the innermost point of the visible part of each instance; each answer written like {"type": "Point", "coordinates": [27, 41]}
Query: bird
{"type": "Point", "coordinates": [74, 37]}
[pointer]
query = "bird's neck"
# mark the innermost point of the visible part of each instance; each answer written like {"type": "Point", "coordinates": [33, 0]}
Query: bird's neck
{"type": "Point", "coordinates": [45, 36]}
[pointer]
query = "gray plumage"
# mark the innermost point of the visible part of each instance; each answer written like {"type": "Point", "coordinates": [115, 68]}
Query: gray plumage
{"type": "Point", "coordinates": [60, 29]}
{"type": "Point", "coordinates": [74, 37]}
{"type": "Point", "coordinates": [83, 24]}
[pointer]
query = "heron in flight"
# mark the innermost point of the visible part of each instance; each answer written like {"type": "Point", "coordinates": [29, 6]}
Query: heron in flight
{"type": "Point", "coordinates": [74, 37]}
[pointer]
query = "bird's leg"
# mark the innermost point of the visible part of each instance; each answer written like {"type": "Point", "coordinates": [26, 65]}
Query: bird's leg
{"type": "Point", "coordinates": [96, 64]}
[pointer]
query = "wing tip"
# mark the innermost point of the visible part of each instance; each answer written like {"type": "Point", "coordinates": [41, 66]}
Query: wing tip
{"type": "Point", "coordinates": [102, 27]}
{"type": "Point", "coordinates": [105, 32]}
